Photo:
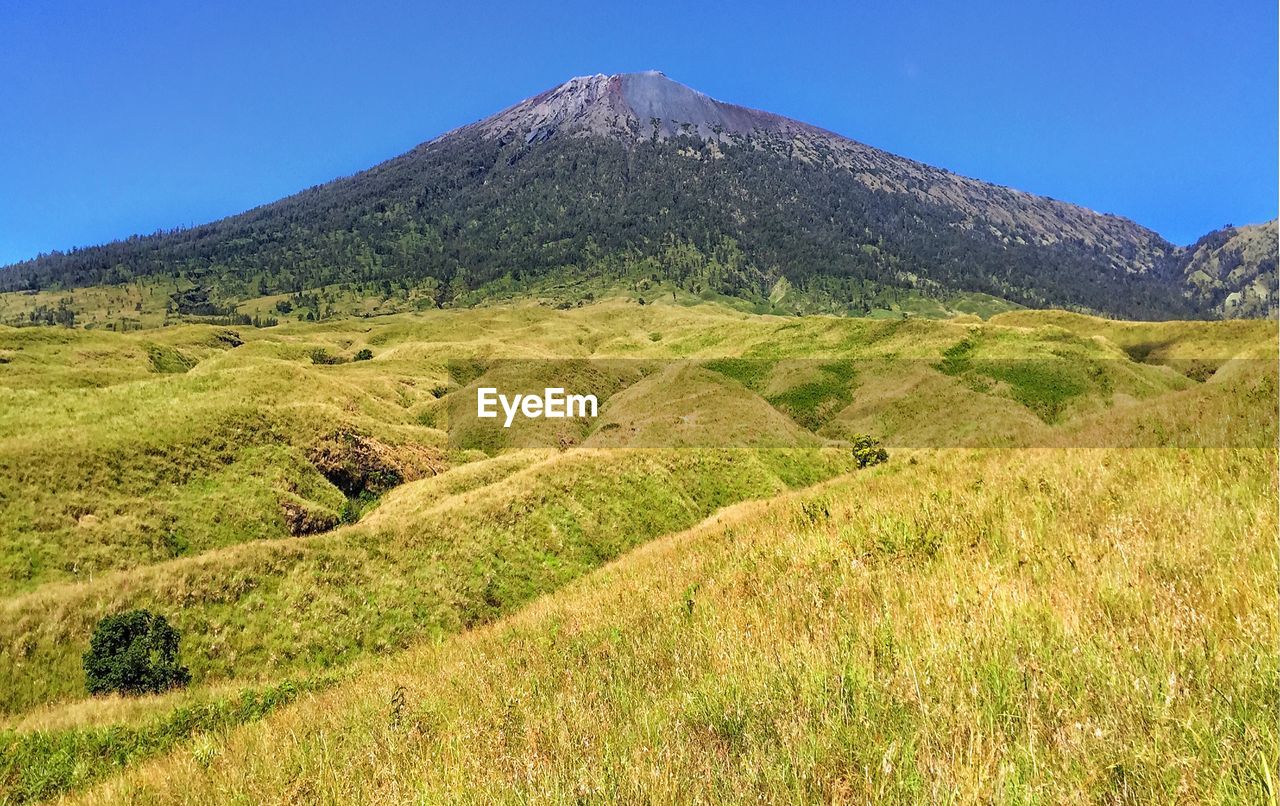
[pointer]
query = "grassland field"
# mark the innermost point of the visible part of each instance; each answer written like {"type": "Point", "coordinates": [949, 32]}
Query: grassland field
{"type": "Point", "coordinates": [1061, 585]}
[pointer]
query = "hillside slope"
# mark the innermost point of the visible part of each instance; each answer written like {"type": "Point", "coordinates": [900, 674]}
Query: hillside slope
{"type": "Point", "coordinates": [1023, 630]}
{"type": "Point", "coordinates": [113, 446]}
{"type": "Point", "coordinates": [1233, 271]}
{"type": "Point", "coordinates": [637, 179]}
{"type": "Point", "coordinates": [172, 469]}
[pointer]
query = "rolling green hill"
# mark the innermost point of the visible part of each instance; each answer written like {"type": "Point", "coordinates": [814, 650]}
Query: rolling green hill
{"type": "Point", "coordinates": [324, 531]}
{"type": "Point", "coordinates": [970, 625]}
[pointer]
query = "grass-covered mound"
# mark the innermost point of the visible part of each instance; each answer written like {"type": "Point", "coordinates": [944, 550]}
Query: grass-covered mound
{"type": "Point", "coordinates": [983, 625]}
{"type": "Point", "coordinates": [430, 563]}
{"type": "Point", "coordinates": [294, 511]}
{"type": "Point", "coordinates": [120, 450]}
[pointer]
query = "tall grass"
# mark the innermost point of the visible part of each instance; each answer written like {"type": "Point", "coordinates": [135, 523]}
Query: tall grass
{"type": "Point", "coordinates": [36, 765]}
{"type": "Point", "coordinates": [969, 626]}
{"type": "Point", "coordinates": [423, 566]}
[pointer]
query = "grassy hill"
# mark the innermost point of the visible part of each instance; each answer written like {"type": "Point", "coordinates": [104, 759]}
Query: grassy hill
{"type": "Point", "coordinates": [121, 449]}
{"type": "Point", "coordinates": [1065, 502]}
{"type": "Point", "coordinates": [1025, 630]}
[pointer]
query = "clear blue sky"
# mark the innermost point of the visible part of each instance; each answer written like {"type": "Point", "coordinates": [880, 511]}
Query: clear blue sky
{"type": "Point", "coordinates": [118, 118]}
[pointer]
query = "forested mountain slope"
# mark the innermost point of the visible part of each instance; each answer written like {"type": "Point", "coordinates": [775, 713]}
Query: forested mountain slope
{"type": "Point", "coordinates": [635, 176]}
{"type": "Point", "coordinates": [1233, 271]}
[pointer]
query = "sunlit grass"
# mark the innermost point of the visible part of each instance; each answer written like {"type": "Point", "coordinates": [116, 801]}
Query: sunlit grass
{"type": "Point", "coordinates": [972, 625]}
{"type": "Point", "coordinates": [997, 625]}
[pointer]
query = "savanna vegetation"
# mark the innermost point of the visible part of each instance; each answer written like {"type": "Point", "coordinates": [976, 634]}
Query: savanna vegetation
{"type": "Point", "coordinates": [1060, 584]}
{"type": "Point", "coordinates": [975, 627]}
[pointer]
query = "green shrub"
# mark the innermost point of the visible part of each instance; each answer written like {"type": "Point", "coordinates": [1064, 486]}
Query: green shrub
{"type": "Point", "coordinates": [134, 652]}
{"type": "Point", "coordinates": [166, 359]}
{"type": "Point", "coordinates": [364, 355]}
{"type": "Point", "coordinates": [867, 451]}
{"type": "Point", "coordinates": [323, 357]}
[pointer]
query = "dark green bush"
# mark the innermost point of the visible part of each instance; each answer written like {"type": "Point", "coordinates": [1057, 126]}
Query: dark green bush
{"type": "Point", "coordinates": [364, 355]}
{"type": "Point", "coordinates": [134, 652]}
{"type": "Point", "coordinates": [321, 356]}
{"type": "Point", "coordinates": [867, 451]}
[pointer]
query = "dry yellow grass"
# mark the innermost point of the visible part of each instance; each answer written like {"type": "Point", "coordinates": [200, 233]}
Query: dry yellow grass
{"type": "Point", "coordinates": [116, 709]}
{"type": "Point", "coordinates": [1039, 625]}
{"type": "Point", "coordinates": [1011, 625]}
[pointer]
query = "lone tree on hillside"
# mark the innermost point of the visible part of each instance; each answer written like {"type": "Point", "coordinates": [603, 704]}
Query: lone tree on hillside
{"type": "Point", "coordinates": [135, 652]}
{"type": "Point", "coordinates": [867, 451]}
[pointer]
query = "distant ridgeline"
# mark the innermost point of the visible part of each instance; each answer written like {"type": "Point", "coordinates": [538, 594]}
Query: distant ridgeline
{"type": "Point", "coordinates": [635, 178]}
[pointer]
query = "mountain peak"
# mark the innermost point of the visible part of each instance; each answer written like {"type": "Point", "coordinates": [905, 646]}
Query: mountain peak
{"type": "Point", "coordinates": [636, 105]}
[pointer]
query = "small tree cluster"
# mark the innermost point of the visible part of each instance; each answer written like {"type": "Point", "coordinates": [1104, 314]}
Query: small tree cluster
{"type": "Point", "coordinates": [867, 451]}
{"type": "Point", "coordinates": [135, 652]}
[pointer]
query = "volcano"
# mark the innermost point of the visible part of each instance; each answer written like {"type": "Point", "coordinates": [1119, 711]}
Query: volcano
{"type": "Point", "coordinates": [637, 179]}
